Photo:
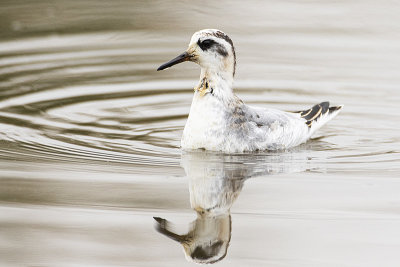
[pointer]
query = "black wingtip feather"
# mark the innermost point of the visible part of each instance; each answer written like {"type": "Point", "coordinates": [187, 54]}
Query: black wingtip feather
{"type": "Point", "coordinates": [333, 109]}
{"type": "Point", "coordinates": [314, 113]}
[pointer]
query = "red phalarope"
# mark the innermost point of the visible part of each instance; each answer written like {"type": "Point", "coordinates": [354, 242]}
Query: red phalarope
{"type": "Point", "coordinates": [220, 121]}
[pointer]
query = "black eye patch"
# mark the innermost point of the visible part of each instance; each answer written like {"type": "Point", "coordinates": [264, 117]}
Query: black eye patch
{"type": "Point", "coordinates": [206, 44]}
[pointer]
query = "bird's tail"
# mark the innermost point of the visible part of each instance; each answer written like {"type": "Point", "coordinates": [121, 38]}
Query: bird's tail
{"type": "Point", "coordinates": [318, 115]}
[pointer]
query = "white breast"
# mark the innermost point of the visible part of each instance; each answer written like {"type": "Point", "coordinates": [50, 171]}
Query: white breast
{"type": "Point", "coordinates": [205, 127]}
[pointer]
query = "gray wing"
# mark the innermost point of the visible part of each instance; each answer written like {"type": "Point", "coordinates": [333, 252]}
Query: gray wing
{"type": "Point", "coordinates": [273, 129]}
{"type": "Point", "coordinates": [266, 117]}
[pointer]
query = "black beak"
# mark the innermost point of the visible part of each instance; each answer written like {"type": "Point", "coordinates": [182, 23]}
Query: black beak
{"type": "Point", "coordinates": [179, 59]}
{"type": "Point", "coordinates": [162, 226]}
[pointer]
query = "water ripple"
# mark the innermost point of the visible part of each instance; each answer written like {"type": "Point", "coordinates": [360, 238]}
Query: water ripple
{"type": "Point", "coordinates": [73, 97]}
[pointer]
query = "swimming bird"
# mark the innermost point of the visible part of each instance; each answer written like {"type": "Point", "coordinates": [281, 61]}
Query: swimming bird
{"type": "Point", "coordinates": [219, 121]}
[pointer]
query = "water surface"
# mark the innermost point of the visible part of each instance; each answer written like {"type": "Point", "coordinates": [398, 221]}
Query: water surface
{"type": "Point", "coordinates": [90, 134]}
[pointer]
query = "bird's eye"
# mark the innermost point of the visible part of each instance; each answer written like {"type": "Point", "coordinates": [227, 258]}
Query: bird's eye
{"type": "Point", "coordinates": [206, 44]}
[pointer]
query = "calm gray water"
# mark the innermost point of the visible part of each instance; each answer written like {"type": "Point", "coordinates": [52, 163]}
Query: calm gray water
{"type": "Point", "coordinates": [90, 134]}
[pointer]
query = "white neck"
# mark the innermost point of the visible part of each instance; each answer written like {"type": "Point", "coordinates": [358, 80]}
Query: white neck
{"type": "Point", "coordinates": [219, 82]}
{"type": "Point", "coordinates": [212, 100]}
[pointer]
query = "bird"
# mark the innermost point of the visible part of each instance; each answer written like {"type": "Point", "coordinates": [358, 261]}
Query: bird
{"type": "Point", "coordinates": [220, 121]}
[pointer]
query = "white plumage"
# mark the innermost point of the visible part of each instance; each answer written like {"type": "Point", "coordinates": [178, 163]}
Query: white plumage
{"type": "Point", "coordinates": [220, 121]}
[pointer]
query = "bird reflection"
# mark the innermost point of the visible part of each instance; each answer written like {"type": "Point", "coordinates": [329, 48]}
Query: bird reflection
{"type": "Point", "coordinates": [215, 182]}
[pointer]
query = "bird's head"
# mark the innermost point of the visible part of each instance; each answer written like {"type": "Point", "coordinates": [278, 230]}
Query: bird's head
{"type": "Point", "coordinates": [212, 49]}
